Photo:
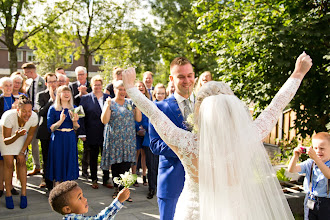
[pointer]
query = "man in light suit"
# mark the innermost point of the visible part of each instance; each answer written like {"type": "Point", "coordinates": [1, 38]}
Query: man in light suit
{"type": "Point", "coordinates": [44, 100]}
{"type": "Point", "coordinates": [37, 85]}
{"type": "Point", "coordinates": [148, 80]}
{"type": "Point", "coordinates": [171, 172]}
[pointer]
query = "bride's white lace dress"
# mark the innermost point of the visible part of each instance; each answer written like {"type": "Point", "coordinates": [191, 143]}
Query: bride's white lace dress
{"type": "Point", "coordinates": [186, 144]}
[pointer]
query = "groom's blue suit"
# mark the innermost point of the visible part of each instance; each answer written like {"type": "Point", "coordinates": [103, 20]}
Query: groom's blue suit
{"type": "Point", "coordinates": [170, 171]}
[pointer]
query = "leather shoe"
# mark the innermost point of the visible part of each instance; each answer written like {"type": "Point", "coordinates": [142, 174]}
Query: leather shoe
{"type": "Point", "coordinates": [1, 193]}
{"type": "Point", "coordinates": [151, 194]}
{"type": "Point", "coordinates": [34, 172]}
{"type": "Point", "coordinates": [108, 185]}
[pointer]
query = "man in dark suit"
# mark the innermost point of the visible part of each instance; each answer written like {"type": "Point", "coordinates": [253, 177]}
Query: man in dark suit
{"type": "Point", "coordinates": [176, 107]}
{"type": "Point", "coordinates": [37, 85]}
{"type": "Point", "coordinates": [91, 127]}
{"type": "Point", "coordinates": [44, 100]}
{"type": "Point", "coordinates": [79, 88]}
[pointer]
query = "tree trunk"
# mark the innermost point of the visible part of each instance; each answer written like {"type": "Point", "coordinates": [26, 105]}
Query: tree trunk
{"type": "Point", "coordinates": [13, 58]}
{"type": "Point", "coordinates": [86, 56]}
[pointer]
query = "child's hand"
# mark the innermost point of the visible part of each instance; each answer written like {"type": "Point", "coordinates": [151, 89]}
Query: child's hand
{"type": "Point", "coordinates": [298, 150]}
{"type": "Point", "coordinates": [312, 154]}
{"type": "Point", "coordinates": [123, 195]}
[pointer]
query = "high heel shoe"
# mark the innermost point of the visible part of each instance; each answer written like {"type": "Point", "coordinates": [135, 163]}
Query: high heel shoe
{"type": "Point", "coordinates": [23, 203]}
{"type": "Point", "coordinates": [9, 202]}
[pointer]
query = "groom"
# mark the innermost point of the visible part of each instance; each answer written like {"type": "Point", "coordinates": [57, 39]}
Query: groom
{"type": "Point", "coordinates": [176, 107]}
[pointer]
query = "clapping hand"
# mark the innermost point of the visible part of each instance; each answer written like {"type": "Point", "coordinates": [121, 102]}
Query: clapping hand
{"type": "Point", "coordinates": [20, 132]}
{"type": "Point", "coordinates": [82, 90]}
{"type": "Point", "coordinates": [62, 116]}
{"type": "Point", "coordinates": [74, 116]}
{"type": "Point", "coordinates": [303, 65]}
{"type": "Point", "coordinates": [108, 102]}
{"type": "Point", "coordinates": [129, 77]}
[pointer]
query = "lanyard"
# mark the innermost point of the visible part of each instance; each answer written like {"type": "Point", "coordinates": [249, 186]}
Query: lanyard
{"type": "Point", "coordinates": [311, 188]}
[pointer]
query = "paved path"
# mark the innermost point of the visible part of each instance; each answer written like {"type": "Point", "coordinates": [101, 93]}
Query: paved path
{"type": "Point", "coordinates": [38, 207]}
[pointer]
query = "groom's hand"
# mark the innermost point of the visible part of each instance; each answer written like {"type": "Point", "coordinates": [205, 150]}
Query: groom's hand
{"type": "Point", "coordinates": [129, 77]}
{"type": "Point", "coordinates": [303, 64]}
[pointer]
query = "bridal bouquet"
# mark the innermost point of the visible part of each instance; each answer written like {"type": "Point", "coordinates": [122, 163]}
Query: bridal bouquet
{"type": "Point", "coordinates": [125, 180]}
{"type": "Point", "coordinates": [79, 110]}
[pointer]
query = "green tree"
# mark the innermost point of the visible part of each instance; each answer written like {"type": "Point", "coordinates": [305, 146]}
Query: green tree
{"type": "Point", "coordinates": [95, 22]}
{"type": "Point", "coordinates": [177, 29]}
{"type": "Point", "coordinates": [257, 43]}
{"type": "Point", "coordinates": [19, 21]}
{"type": "Point", "coordinates": [56, 47]}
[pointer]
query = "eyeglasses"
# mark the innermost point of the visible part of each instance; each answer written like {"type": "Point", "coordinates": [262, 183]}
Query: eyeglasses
{"type": "Point", "coordinates": [52, 82]}
{"type": "Point", "coordinates": [62, 81]}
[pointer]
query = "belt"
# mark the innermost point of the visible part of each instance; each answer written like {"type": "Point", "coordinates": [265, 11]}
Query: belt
{"type": "Point", "coordinates": [65, 129]}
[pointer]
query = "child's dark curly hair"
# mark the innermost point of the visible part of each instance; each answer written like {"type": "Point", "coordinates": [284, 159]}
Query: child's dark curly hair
{"type": "Point", "coordinates": [58, 197]}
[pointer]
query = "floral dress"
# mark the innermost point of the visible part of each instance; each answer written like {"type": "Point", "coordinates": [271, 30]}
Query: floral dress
{"type": "Point", "coordinates": [119, 135]}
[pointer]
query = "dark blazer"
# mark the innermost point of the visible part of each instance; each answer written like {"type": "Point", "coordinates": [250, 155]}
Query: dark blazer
{"type": "Point", "coordinates": [43, 103]}
{"type": "Point", "coordinates": [2, 104]}
{"type": "Point", "coordinates": [170, 171]}
{"type": "Point", "coordinates": [91, 124]}
{"type": "Point", "coordinates": [75, 93]}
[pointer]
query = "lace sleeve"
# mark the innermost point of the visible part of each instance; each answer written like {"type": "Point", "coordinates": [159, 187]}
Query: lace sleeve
{"type": "Point", "coordinates": [268, 118]}
{"type": "Point", "coordinates": [172, 135]}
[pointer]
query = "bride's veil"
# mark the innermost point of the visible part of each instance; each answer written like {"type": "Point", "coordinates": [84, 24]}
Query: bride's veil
{"type": "Point", "coordinates": [236, 179]}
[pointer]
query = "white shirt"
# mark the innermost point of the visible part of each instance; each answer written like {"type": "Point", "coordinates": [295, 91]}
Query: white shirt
{"type": "Point", "coordinates": [181, 99]}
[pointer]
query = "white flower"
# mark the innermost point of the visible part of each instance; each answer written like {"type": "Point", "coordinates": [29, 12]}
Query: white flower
{"type": "Point", "coordinates": [39, 83]}
{"type": "Point", "coordinates": [126, 180]}
{"type": "Point", "coordinates": [129, 107]}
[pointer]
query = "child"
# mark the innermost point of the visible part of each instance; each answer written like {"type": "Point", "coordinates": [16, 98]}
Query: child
{"type": "Point", "coordinates": [317, 201]}
{"type": "Point", "coordinates": [67, 199]}
{"type": "Point", "coordinates": [159, 93]}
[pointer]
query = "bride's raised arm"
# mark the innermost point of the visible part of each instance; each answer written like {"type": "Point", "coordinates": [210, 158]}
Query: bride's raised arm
{"type": "Point", "coordinates": [167, 130]}
{"type": "Point", "coordinates": [268, 118]}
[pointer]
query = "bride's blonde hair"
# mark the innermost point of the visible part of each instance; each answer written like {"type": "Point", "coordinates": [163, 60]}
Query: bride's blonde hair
{"type": "Point", "coordinates": [209, 89]}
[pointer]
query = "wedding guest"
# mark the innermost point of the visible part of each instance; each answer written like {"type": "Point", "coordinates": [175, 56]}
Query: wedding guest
{"type": "Point", "coordinates": [62, 162]}
{"type": "Point", "coordinates": [317, 171]}
{"type": "Point", "coordinates": [140, 128]}
{"type": "Point", "coordinates": [67, 199]}
{"type": "Point", "coordinates": [18, 128]}
{"type": "Point", "coordinates": [148, 80]}
{"type": "Point", "coordinates": [44, 100]}
{"type": "Point", "coordinates": [79, 88]}
{"type": "Point", "coordinates": [61, 71]}
{"type": "Point", "coordinates": [7, 102]}
{"type": "Point", "coordinates": [62, 80]}
{"type": "Point", "coordinates": [17, 85]}
{"type": "Point", "coordinates": [23, 85]}
{"type": "Point", "coordinates": [170, 89]}
{"type": "Point", "coordinates": [159, 93]}
{"type": "Point", "coordinates": [37, 85]}
{"type": "Point", "coordinates": [119, 151]}
{"type": "Point", "coordinates": [91, 131]}
{"type": "Point", "coordinates": [116, 76]}
{"type": "Point", "coordinates": [203, 78]}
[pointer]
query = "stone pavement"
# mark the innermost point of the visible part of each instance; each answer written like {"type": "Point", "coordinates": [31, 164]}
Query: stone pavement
{"type": "Point", "coordinates": [38, 207]}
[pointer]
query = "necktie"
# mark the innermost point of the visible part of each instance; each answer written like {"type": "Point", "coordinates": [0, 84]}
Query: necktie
{"type": "Point", "coordinates": [32, 95]}
{"type": "Point", "coordinates": [186, 109]}
{"type": "Point", "coordinates": [150, 94]}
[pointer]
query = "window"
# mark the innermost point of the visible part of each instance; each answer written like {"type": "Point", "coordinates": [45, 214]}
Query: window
{"type": "Point", "coordinates": [98, 60]}
{"type": "Point", "coordinates": [68, 60]}
{"type": "Point", "coordinates": [19, 56]}
{"type": "Point", "coordinates": [30, 56]}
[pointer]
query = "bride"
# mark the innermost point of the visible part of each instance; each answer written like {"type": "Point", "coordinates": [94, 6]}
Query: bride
{"type": "Point", "coordinates": [228, 174]}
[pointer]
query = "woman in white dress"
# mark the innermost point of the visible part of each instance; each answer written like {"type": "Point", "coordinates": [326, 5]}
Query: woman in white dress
{"type": "Point", "coordinates": [228, 174]}
{"type": "Point", "coordinates": [18, 126]}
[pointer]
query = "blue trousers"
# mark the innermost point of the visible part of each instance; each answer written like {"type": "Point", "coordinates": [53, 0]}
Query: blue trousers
{"type": "Point", "coordinates": [167, 208]}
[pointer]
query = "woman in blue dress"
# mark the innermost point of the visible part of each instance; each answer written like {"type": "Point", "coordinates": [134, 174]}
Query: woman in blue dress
{"type": "Point", "coordinates": [63, 152]}
{"type": "Point", "coordinates": [119, 144]}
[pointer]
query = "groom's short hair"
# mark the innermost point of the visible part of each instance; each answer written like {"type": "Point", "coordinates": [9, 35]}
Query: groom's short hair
{"type": "Point", "coordinates": [179, 61]}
